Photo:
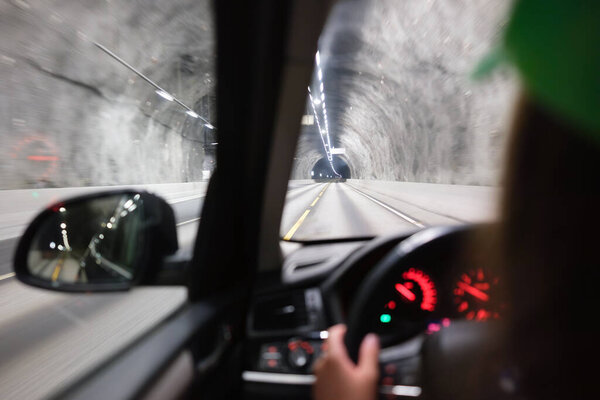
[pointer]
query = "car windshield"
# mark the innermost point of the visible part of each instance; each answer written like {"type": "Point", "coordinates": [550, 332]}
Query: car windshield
{"type": "Point", "coordinates": [396, 135]}
{"type": "Point", "coordinates": [96, 95]}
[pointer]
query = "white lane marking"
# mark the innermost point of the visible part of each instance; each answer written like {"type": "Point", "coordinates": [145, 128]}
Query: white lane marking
{"type": "Point", "coordinates": [6, 276]}
{"type": "Point", "coordinates": [396, 212]}
{"type": "Point", "coordinates": [189, 221]}
{"type": "Point", "coordinates": [182, 199]}
{"type": "Point", "coordinates": [281, 378]}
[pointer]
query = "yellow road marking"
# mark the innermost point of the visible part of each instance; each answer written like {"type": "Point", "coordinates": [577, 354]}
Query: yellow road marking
{"type": "Point", "coordinates": [291, 232]}
{"type": "Point", "coordinates": [57, 269]}
{"type": "Point", "coordinates": [6, 276]}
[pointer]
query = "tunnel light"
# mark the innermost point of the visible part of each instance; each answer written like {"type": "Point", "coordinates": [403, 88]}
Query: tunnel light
{"type": "Point", "coordinates": [318, 58]}
{"type": "Point", "coordinates": [52, 245]}
{"type": "Point", "coordinates": [63, 225]}
{"type": "Point", "coordinates": [165, 95]}
{"type": "Point", "coordinates": [62, 209]}
{"type": "Point", "coordinates": [316, 102]}
{"type": "Point", "coordinates": [161, 92]}
{"type": "Point", "coordinates": [321, 87]}
{"type": "Point", "coordinates": [192, 114]}
{"type": "Point", "coordinates": [209, 126]}
{"type": "Point", "coordinates": [320, 74]}
{"type": "Point", "coordinates": [323, 98]}
{"type": "Point", "coordinates": [309, 89]}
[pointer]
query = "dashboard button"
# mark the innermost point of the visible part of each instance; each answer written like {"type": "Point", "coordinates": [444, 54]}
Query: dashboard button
{"type": "Point", "coordinates": [271, 357]}
{"type": "Point", "coordinates": [300, 353]}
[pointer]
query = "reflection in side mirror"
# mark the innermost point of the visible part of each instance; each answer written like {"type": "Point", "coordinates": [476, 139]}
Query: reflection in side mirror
{"type": "Point", "coordinates": [106, 241]}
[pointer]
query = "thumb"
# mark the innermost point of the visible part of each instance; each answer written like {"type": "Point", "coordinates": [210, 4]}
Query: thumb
{"type": "Point", "coordinates": [368, 358]}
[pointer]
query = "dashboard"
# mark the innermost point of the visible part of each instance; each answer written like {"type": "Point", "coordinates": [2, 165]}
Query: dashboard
{"type": "Point", "coordinates": [317, 286]}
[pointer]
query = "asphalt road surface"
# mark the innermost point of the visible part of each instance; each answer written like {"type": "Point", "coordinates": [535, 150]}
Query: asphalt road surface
{"type": "Point", "coordinates": [343, 210]}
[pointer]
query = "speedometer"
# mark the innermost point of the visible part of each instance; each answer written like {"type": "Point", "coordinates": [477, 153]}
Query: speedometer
{"type": "Point", "coordinates": [412, 294]}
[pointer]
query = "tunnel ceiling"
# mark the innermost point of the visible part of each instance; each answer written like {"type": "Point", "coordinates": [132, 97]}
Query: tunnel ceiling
{"type": "Point", "coordinates": [398, 93]}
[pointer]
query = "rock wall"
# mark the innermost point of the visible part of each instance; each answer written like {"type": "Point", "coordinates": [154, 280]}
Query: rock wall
{"type": "Point", "coordinates": [70, 115]}
{"type": "Point", "coordinates": [399, 95]}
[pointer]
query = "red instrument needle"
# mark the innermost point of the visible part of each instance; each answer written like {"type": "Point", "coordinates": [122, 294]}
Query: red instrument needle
{"type": "Point", "coordinates": [407, 294]}
{"type": "Point", "coordinates": [473, 291]}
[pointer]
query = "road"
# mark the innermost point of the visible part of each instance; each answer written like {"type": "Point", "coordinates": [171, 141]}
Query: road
{"type": "Point", "coordinates": [359, 209]}
{"type": "Point", "coordinates": [49, 339]}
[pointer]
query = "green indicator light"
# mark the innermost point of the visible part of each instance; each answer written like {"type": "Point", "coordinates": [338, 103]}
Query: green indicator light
{"type": "Point", "coordinates": [385, 318]}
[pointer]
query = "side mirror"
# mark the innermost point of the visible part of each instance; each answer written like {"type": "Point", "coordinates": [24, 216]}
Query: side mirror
{"type": "Point", "coordinates": [100, 242]}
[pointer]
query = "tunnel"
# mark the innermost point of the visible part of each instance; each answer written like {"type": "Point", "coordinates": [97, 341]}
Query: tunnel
{"type": "Point", "coordinates": [322, 169]}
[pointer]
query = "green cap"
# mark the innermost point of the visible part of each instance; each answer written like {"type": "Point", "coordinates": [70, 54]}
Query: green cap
{"type": "Point", "coordinates": [555, 45]}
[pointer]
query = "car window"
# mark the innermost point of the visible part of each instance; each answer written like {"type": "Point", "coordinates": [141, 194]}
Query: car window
{"type": "Point", "coordinates": [96, 95]}
{"type": "Point", "coordinates": [396, 135]}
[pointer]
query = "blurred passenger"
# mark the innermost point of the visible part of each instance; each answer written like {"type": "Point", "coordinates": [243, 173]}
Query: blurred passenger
{"type": "Point", "coordinates": [548, 231]}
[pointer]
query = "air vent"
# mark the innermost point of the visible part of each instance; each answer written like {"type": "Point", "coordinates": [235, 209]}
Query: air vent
{"type": "Point", "coordinates": [280, 312]}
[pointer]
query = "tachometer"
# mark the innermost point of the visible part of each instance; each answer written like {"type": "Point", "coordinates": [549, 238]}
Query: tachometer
{"type": "Point", "coordinates": [472, 295]}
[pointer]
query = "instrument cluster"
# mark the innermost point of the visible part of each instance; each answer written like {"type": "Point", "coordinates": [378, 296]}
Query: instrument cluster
{"type": "Point", "coordinates": [425, 299]}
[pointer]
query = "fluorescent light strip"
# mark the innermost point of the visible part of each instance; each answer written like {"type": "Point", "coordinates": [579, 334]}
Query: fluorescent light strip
{"type": "Point", "coordinates": [324, 133]}
{"type": "Point", "coordinates": [160, 91]}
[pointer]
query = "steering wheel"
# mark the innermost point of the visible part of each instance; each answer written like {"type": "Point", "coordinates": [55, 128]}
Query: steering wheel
{"type": "Point", "coordinates": [460, 361]}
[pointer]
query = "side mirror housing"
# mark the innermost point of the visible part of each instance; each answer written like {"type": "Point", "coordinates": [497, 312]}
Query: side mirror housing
{"type": "Point", "coordinates": [101, 242]}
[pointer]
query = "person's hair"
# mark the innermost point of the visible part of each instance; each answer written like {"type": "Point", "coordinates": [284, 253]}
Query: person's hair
{"type": "Point", "coordinates": [549, 245]}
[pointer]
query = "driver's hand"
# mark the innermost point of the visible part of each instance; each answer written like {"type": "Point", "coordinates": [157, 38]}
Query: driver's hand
{"type": "Point", "coordinates": [338, 378]}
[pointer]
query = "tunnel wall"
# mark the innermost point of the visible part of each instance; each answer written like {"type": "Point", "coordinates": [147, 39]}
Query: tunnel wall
{"type": "Point", "coordinates": [101, 124]}
{"type": "Point", "coordinates": [404, 106]}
